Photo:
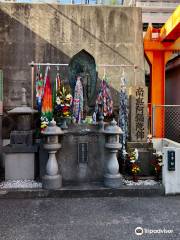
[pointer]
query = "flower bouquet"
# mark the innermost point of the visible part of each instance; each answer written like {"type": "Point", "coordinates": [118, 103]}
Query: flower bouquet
{"type": "Point", "coordinates": [63, 105]}
{"type": "Point", "coordinates": [134, 166]}
{"type": "Point", "coordinates": [157, 164]}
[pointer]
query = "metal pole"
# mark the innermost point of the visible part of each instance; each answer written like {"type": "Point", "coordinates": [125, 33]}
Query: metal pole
{"type": "Point", "coordinates": [32, 86]}
{"type": "Point", "coordinates": [153, 120]}
{"type": "Point", "coordinates": [65, 64]}
{"type": "Point", "coordinates": [167, 105]}
{"type": "Point", "coordinates": [116, 65]}
{"type": "Point", "coordinates": [48, 64]}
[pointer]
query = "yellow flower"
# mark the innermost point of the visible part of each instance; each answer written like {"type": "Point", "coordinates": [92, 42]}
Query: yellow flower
{"type": "Point", "coordinates": [68, 96]}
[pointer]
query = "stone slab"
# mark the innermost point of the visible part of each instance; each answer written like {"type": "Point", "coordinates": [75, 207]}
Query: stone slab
{"type": "Point", "coordinates": [21, 137]}
{"type": "Point", "coordinates": [145, 151]}
{"type": "Point", "coordinates": [20, 148]}
{"type": "Point", "coordinates": [19, 166]}
{"type": "Point", "coordinates": [139, 145]}
{"type": "Point", "coordinates": [52, 182]}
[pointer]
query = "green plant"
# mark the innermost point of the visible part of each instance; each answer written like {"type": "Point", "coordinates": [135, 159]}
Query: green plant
{"type": "Point", "coordinates": [157, 162]}
{"type": "Point", "coordinates": [114, 2]}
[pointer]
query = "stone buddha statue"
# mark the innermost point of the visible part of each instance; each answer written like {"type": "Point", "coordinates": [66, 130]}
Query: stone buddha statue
{"type": "Point", "coordinates": [85, 80]}
{"type": "Point", "coordinates": [83, 66]}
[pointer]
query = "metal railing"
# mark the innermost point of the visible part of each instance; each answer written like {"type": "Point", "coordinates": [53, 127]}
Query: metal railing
{"type": "Point", "coordinates": [86, 2]}
{"type": "Point", "coordinates": [170, 120]}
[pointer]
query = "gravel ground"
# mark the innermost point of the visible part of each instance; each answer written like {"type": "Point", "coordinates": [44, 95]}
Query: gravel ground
{"type": "Point", "coordinates": [10, 184]}
{"type": "Point", "coordinates": [20, 184]}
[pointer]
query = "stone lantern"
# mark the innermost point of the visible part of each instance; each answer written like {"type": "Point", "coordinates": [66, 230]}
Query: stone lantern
{"type": "Point", "coordinates": [52, 178]}
{"type": "Point", "coordinates": [20, 153]}
{"type": "Point", "coordinates": [112, 177]}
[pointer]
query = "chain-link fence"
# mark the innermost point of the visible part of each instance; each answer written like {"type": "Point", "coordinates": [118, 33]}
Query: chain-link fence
{"type": "Point", "coordinates": [170, 121]}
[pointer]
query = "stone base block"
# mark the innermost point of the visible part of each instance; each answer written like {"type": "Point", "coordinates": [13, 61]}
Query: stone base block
{"type": "Point", "coordinates": [52, 182]}
{"type": "Point", "coordinates": [145, 155]}
{"type": "Point", "coordinates": [19, 166]}
{"type": "Point", "coordinates": [112, 181]}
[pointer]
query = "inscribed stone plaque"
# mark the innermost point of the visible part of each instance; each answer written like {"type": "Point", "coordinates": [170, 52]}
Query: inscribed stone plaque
{"type": "Point", "coordinates": [138, 114]}
{"type": "Point", "coordinates": [83, 152]}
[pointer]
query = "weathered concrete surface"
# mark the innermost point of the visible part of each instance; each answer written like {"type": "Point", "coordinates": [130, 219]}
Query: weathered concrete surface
{"type": "Point", "coordinates": [55, 33]}
{"type": "Point", "coordinates": [89, 219]}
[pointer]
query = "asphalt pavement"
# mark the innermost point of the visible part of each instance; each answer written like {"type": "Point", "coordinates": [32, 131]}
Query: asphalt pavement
{"type": "Point", "coordinates": [112, 218]}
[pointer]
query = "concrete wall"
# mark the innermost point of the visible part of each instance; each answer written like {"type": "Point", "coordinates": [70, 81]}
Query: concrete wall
{"type": "Point", "coordinates": [55, 33]}
{"type": "Point", "coordinates": [171, 179]}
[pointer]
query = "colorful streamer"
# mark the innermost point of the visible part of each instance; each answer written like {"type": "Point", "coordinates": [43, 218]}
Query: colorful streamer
{"type": "Point", "coordinates": [123, 113]}
{"type": "Point", "coordinates": [47, 105]}
{"type": "Point", "coordinates": [78, 101]}
{"type": "Point", "coordinates": [39, 88]}
{"type": "Point", "coordinates": [104, 102]}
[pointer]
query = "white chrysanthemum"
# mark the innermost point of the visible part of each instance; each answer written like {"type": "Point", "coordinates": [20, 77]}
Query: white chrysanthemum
{"type": "Point", "coordinates": [132, 161]}
{"type": "Point", "coordinates": [159, 153]}
{"type": "Point", "coordinates": [136, 153]}
{"type": "Point", "coordinates": [58, 101]}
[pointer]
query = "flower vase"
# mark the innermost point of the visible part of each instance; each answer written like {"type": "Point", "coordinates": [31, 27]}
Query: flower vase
{"type": "Point", "coordinates": [157, 177]}
{"type": "Point", "coordinates": [64, 123]}
{"type": "Point", "coordinates": [58, 121]}
{"type": "Point", "coordinates": [135, 178]}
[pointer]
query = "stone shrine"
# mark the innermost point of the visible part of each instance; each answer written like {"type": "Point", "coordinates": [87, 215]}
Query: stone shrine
{"type": "Point", "coordinates": [83, 38]}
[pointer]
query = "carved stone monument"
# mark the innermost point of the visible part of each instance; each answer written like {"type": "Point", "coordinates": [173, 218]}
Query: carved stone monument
{"type": "Point", "coordinates": [139, 127]}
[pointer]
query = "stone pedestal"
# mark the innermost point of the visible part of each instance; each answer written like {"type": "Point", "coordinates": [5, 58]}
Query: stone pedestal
{"type": "Point", "coordinates": [19, 162]}
{"type": "Point", "coordinates": [145, 151]}
{"type": "Point", "coordinates": [52, 179]}
{"type": "Point", "coordinates": [52, 182]}
{"type": "Point", "coordinates": [112, 177]}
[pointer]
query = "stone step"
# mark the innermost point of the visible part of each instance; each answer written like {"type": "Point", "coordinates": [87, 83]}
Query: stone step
{"type": "Point", "coordinates": [84, 190]}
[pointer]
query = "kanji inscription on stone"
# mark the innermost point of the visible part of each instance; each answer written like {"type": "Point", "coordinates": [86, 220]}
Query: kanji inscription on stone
{"type": "Point", "coordinates": [83, 152]}
{"type": "Point", "coordinates": [139, 117]}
